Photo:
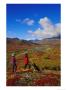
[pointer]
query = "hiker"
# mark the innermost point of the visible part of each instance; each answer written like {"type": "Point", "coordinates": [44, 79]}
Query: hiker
{"type": "Point", "coordinates": [26, 60]}
{"type": "Point", "coordinates": [13, 62]}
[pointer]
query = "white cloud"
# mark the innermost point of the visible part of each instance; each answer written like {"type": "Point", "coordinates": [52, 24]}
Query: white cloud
{"type": "Point", "coordinates": [48, 29]}
{"type": "Point", "coordinates": [29, 31]}
{"type": "Point", "coordinates": [25, 20]}
{"type": "Point", "coordinates": [45, 22]}
{"type": "Point", "coordinates": [58, 28]}
{"type": "Point", "coordinates": [18, 20]}
{"type": "Point", "coordinates": [28, 21]}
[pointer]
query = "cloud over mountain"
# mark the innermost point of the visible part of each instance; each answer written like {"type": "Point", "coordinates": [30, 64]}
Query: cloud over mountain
{"type": "Point", "coordinates": [47, 29]}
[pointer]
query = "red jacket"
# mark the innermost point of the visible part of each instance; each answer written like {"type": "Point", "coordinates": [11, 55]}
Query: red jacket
{"type": "Point", "coordinates": [26, 61]}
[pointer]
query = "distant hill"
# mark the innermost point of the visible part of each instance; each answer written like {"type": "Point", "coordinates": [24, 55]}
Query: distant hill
{"type": "Point", "coordinates": [56, 37]}
{"type": "Point", "coordinates": [34, 41]}
{"type": "Point", "coordinates": [46, 40]}
{"type": "Point", "coordinates": [30, 42]}
{"type": "Point", "coordinates": [15, 43]}
{"type": "Point", "coordinates": [18, 41]}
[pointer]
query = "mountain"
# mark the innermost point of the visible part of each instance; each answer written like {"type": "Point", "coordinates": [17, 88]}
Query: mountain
{"type": "Point", "coordinates": [15, 43]}
{"type": "Point", "coordinates": [34, 41]}
{"type": "Point", "coordinates": [50, 41]}
{"type": "Point", "coordinates": [46, 40]}
{"type": "Point", "coordinates": [56, 37]}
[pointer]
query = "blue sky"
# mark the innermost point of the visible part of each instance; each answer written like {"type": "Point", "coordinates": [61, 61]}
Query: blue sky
{"type": "Point", "coordinates": [30, 21]}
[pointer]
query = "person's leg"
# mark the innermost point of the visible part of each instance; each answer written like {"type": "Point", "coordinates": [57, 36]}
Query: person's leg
{"type": "Point", "coordinates": [25, 65]}
{"type": "Point", "coordinates": [13, 68]}
{"type": "Point", "coordinates": [29, 66]}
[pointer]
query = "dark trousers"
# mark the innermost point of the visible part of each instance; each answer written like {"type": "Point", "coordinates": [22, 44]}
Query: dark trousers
{"type": "Point", "coordinates": [14, 67]}
{"type": "Point", "coordinates": [25, 66]}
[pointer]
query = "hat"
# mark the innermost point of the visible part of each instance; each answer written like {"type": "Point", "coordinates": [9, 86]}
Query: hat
{"type": "Point", "coordinates": [25, 52]}
{"type": "Point", "coordinates": [13, 54]}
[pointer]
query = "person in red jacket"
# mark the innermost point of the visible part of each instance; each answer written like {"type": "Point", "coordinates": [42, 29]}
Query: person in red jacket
{"type": "Point", "coordinates": [26, 60]}
{"type": "Point", "coordinates": [13, 62]}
